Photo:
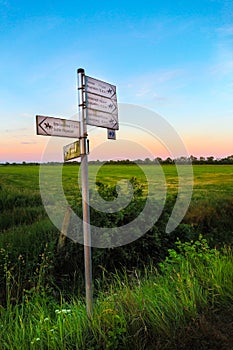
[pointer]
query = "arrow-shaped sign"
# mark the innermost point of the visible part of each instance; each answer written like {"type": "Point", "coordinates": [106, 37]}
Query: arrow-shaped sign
{"type": "Point", "coordinates": [101, 103]}
{"type": "Point", "coordinates": [99, 87]}
{"type": "Point", "coordinates": [50, 126]}
{"type": "Point", "coordinates": [102, 119]}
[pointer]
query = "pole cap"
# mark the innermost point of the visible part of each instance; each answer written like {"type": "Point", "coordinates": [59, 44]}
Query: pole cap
{"type": "Point", "coordinates": [80, 70]}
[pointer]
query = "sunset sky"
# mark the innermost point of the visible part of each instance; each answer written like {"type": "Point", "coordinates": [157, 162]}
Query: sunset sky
{"type": "Point", "coordinates": [174, 58]}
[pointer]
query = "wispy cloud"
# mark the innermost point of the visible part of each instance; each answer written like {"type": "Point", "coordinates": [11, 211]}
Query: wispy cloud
{"type": "Point", "coordinates": [225, 30]}
{"type": "Point", "coordinates": [29, 143]}
{"type": "Point", "coordinates": [157, 77]}
{"type": "Point", "coordinates": [26, 115]}
{"type": "Point", "coordinates": [18, 130]}
{"type": "Point", "coordinates": [154, 86]}
{"type": "Point", "coordinates": [222, 68]}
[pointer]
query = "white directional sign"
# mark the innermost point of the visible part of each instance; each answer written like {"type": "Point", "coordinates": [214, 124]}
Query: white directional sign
{"type": "Point", "coordinates": [50, 126]}
{"type": "Point", "coordinates": [102, 119]}
{"type": "Point", "coordinates": [101, 103]}
{"type": "Point", "coordinates": [99, 87]}
{"type": "Point", "coordinates": [71, 151]}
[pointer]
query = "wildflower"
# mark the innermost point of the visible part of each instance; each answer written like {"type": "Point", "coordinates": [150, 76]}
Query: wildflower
{"type": "Point", "coordinates": [63, 311]}
{"type": "Point", "coordinates": [34, 340]}
{"type": "Point", "coordinates": [66, 311]}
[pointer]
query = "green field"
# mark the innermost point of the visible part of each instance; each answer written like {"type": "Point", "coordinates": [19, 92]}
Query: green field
{"type": "Point", "coordinates": [209, 180]}
{"type": "Point", "coordinates": [151, 294]}
{"type": "Point", "coordinates": [212, 186]}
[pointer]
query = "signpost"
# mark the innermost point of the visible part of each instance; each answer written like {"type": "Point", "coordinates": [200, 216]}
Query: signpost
{"type": "Point", "coordinates": [50, 126]}
{"type": "Point", "coordinates": [85, 196]}
{"type": "Point", "coordinates": [98, 107]}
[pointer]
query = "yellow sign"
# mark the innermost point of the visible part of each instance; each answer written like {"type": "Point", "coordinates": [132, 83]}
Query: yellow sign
{"type": "Point", "coordinates": [71, 151]}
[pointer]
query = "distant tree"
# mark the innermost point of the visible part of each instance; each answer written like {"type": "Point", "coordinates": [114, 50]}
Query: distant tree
{"type": "Point", "coordinates": [147, 161]}
{"type": "Point", "coordinates": [125, 162]}
{"type": "Point", "coordinates": [158, 160]}
{"type": "Point", "coordinates": [193, 160]}
{"type": "Point", "coordinates": [182, 160]}
{"type": "Point", "coordinates": [210, 160]}
{"type": "Point", "coordinates": [168, 161]}
{"type": "Point", "coordinates": [138, 161]}
{"type": "Point", "coordinates": [230, 159]}
{"type": "Point", "coordinates": [202, 160]}
{"type": "Point", "coordinates": [227, 160]}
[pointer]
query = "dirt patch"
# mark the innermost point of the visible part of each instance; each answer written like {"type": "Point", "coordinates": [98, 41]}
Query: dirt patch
{"type": "Point", "coordinates": [212, 331]}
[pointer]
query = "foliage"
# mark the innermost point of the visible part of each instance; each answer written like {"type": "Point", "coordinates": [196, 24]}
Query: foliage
{"type": "Point", "coordinates": [26, 233]}
{"type": "Point", "coordinates": [156, 292]}
{"type": "Point", "coordinates": [156, 310]}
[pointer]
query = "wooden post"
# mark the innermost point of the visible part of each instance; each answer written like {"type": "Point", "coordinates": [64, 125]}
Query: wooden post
{"type": "Point", "coordinates": [64, 230]}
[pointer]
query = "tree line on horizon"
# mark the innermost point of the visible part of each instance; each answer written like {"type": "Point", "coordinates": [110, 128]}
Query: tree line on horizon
{"type": "Point", "coordinates": [181, 160]}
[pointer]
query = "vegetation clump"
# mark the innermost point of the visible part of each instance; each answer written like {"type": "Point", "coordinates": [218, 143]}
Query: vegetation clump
{"type": "Point", "coordinates": [162, 291]}
{"type": "Point", "coordinates": [170, 307]}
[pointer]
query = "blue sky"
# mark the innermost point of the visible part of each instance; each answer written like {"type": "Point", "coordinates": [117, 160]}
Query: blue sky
{"type": "Point", "coordinates": [173, 57]}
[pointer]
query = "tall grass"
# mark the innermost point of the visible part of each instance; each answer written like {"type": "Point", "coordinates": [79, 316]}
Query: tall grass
{"type": "Point", "coordinates": [137, 312]}
{"type": "Point", "coordinates": [151, 309]}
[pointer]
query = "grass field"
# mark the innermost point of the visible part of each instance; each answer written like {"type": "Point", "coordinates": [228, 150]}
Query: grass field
{"type": "Point", "coordinates": [150, 294]}
{"type": "Point", "coordinates": [20, 185]}
{"type": "Point", "coordinates": [208, 179]}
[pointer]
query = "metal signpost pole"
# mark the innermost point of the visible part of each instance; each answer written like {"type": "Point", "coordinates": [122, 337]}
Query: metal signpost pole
{"type": "Point", "coordinates": [85, 194]}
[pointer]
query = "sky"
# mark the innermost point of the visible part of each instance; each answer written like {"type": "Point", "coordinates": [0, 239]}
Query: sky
{"type": "Point", "coordinates": [174, 58]}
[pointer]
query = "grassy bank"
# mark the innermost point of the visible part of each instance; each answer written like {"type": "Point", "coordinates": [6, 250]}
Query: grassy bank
{"type": "Point", "coordinates": [166, 309]}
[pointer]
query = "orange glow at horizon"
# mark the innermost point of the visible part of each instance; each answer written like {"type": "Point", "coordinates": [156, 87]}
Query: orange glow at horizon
{"type": "Point", "coordinates": [140, 145]}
